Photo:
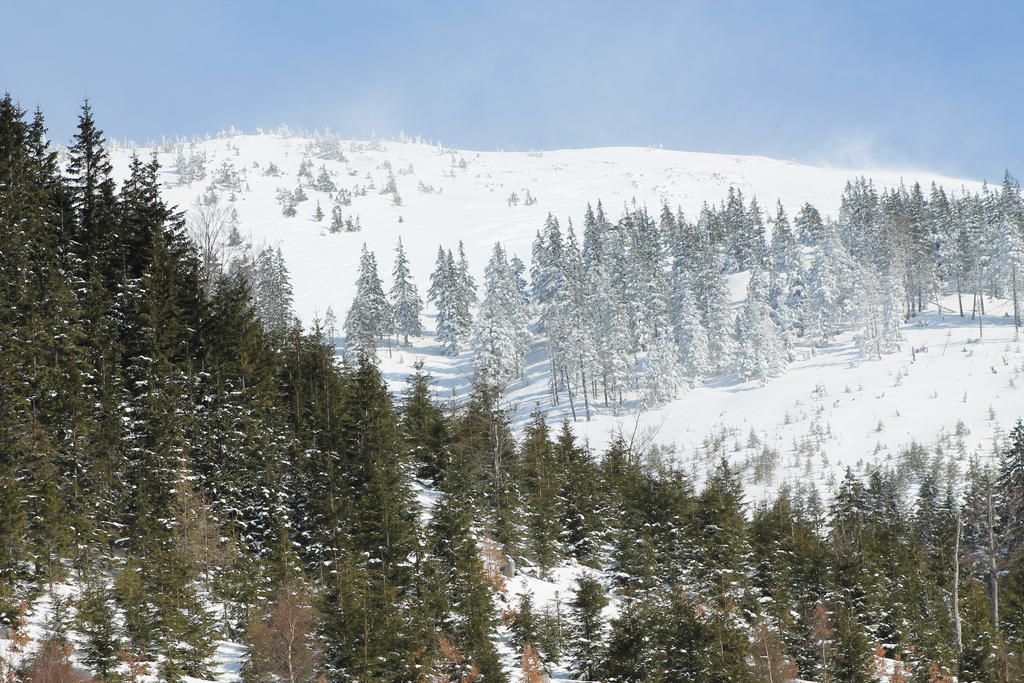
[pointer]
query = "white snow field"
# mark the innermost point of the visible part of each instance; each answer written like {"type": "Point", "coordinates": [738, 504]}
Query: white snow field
{"type": "Point", "coordinates": [830, 402]}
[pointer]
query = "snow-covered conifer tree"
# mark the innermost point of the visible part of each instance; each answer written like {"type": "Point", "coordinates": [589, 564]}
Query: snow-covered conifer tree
{"type": "Point", "coordinates": [809, 228]}
{"type": "Point", "coordinates": [690, 336]}
{"type": "Point", "coordinates": [711, 294]}
{"type": "Point", "coordinates": [518, 268]}
{"type": "Point", "coordinates": [663, 377]}
{"type": "Point", "coordinates": [443, 293]}
{"type": "Point", "coordinates": [1009, 236]}
{"type": "Point", "coordinates": [545, 270]}
{"type": "Point", "coordinates": [829, 285]}
{"type": "Point", "coordinates": [645, 278]}
{"type": "Point", "coordinates": [571, 338]}
{"type": "Point", "coordinates": [337, 219]}
{"type": "Point", "coordinates": [878, 313]}
{"type": "Point", "coordinates": [464, 286]}
{"type": "Point", "coordinates": [500, 334]}
{"type": "Point", "coordinates": [371, 316]}
{"type": "Point", "coordinates": [786, 275]}
{"type": "Point", "coordinates": [762, 352]}
{"type": "Point", "coordinates": [272, 290]}
{"type": "Point", "coordinates": [756, 243]}
{"type": "Point", "coordinates": [732, 222]}
{"type": "Point", "coordinates": [405, 298]}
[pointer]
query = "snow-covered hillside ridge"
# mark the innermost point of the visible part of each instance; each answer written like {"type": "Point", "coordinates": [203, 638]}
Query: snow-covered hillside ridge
{"type": "Point", "coordinates": [448, 195]}
{"type": "Point", "coordinates": [831, 407]}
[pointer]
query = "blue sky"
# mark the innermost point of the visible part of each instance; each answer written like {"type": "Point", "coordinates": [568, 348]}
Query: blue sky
{"type": "Point", "coordinates": [934, 84]}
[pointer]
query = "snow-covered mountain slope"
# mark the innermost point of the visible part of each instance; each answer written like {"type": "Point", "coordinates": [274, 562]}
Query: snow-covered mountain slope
{"type": "Point", "coordinates": [469, 201]}
{"type": "Point", "coordinates": [829, 409]}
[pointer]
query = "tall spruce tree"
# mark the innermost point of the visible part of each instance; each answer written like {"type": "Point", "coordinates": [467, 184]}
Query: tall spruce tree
{"type": "Point", "coordinates": [405, 298]}
{"type": "Point", "coordinates": [371, 315]}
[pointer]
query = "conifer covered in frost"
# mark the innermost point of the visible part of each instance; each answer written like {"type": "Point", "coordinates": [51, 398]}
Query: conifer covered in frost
{"type": "Point", "coordinates": [786, 275]}
{"type": "Point", "coordinates": [690, 335]}
{"type": "Point", "coordinates": [808, 226]}
{"type": "Point", "coordinates": [337, 219]}
{"type": "Point", "coordinates": [465, 292]}
{"type": "Point", "coordinates": [500, 335]}
{"type": "Point", "coordinates": [757, 243]}
{"type": "Point", "coordinates": [546, 270]}
{"type": "Point", "coordinates": [829, 300]}
{"type": "Point", "coordinates": [1010, 240]}
{"type": "Point", "coordinates": [664, 377]}
{"type": "Point", "coordinates": [405, 298]}
{"type": "Point", "coordinates": [272, 290]}
{"type": "Point", "coordinates": [711, 293]}
{"type": "Point", "coordinates": [371, 315]}
{"type": "Point", "coordinates": [611, 335]}
{"type": "Point", "coordinates": [438, 294]}
{"type": "Point", "coordinates": [443, 293]}
{"type": "Point", "coordinates": [877, 313]}
{"type": "Point", "coordinates": [518, 268]}
{"type": "Point", "coordinates": [572, 343]}
{"type": "Point", "coordinates": [602, 249]}
{"type": "Point", "coordinates": [453, 293]}
{"type": "Point", "coordinates": [762, 350]}
{"type": "Point", "coordinates": [645, 278]}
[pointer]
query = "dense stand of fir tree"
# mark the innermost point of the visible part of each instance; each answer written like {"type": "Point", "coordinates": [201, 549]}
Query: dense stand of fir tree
{"type": "Point", "coordinates": [642, 308]}
{"type": "Point", "coordinates": [201, 472]}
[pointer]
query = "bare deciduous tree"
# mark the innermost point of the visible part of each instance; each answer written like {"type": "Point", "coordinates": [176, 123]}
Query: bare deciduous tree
{"type": "Point", "coordinates": [533, 669]}
{"type": "Point", "coordinates": [52, 664]}
{"type": "Point", "coordinates": [771, 662]}
{"type": "Point", "coordinates": [281, 642]}
{"type": "Point", "coordinates": [208, 227]}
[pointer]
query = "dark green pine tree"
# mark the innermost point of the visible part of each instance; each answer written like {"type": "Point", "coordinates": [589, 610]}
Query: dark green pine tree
{"type": "Point", "coordinates": [723, 555]}
{"type": "Point", "coordinates": [587, 628]}
{"type": "Point", "coordinates": [634, 559]}
{"type": "Point", "coordinates": [1010, 491]}
{"type": "Point", "coordinates": [1010, 495]}
{"type": "Point", "coordinates": [632, 651]}
{"type": "Point", "coordinates": [92, 201]}
{"type": "Point", "coordinates": [181, 628]}
{"type": "Point", "coordinates": [778, 576]}
{"type": "Point", "coordinates": [95, 623]}
{"type": "Point", "coordinates": [893, 561]}
{"type": "Point", "coordinates": [12, 546]}
{"type": "Point", "coordinates": [40, 341]}
{"type": "Point", "coordinates": [371, 630]}
{"type": "Point", "coordinates": [667, 500]}
{"type": "Point", "coordinates": [469, 620]}
{"type": "Point", "coordinates": [155, 311]}
{"type": "Point", "coordinates": [243, 449]}
{"type": "Point", "coordinates": [851, 643]}
{"type": "Point", "coordinates": [482, 439]}
{"type": "Point", "coordinates": [581, 504]}
{"type": "Point", "coordinates": [692, 647]}
{"type": "Point", "coordinates": [540, 484]}
{"type": "Point", "coordinates": [14, 261]}
{"type": "Point", "coordinates": [978, 661]}
{"type": "Point", "coordinates": [425, 427]}
{"type": "Point", "coordinates": [524, 628]}
{"type": "Point", "coordinates": [847, 597]}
